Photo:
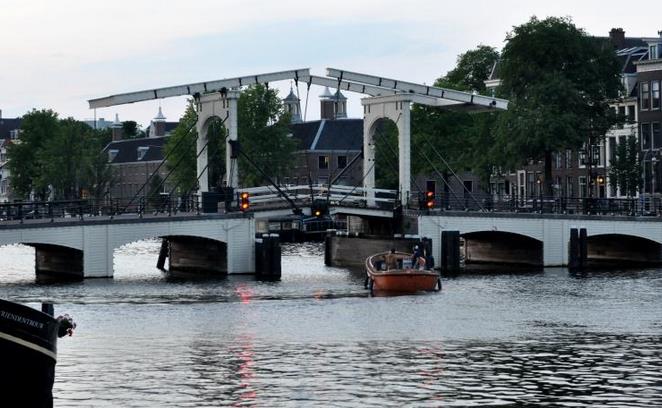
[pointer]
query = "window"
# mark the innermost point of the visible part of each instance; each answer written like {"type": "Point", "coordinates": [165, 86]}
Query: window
{"type": "Point", "coordinates": [657, 136]}
{"type": "Point", "coordinates": [631, 113]}
{"type": "Point", "coordinates": [569, 190]}
{"type": "Point", "coordinates": [469, 186]}
{"type": "Point", "coordinates": [582, 186]}
{"type": "Point", "coordinates": [568, 158]}
{"type": "Point", "coordinates": [13, 134]}
{"type": "Point", "coordinates": [653, 51]}
{"type": "Point", "coordinates": [645, 136]}
{"type": "Point", "coordinates": [323, 162]}
{"type": "Point", "coordinates": [142, 150]}
{"type": "Point", "coordinates": [112, 153]}
{"type": "Point", "coordinates": [342, 162]}
{"type": "Point", "coordinates": [655, 95]}
{"type": "Point", "coordinates": [612, 149]}
{"type": "Point", "coordinates": [557, 160]}
{"type": "Point", "coordinates": [645, 96]}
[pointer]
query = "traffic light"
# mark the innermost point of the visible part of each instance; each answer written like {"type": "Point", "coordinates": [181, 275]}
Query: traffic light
{"type": "Point", "coordinates": [319, 208]}
{"type": "Point", "coordinates": [429, 199]}
{"type": "Point", "coordinates": [244, 203]}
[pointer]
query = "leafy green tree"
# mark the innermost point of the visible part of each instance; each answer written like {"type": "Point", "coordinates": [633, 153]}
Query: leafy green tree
{"type": "Point", "coordinates": [472, 69]}
{"type": "Point", "coordinates": [37, 127]}
{"type": "Point", "coordinates": [263, 129]}
{"type": "Point", "coordinates": [180, 150]}
{"type": "Point", "coordinates": [625, 169]}
{"type": "Point", "coordinates": [464, 140]}
{"type": "Point", "coordinates": [559, 81]}
{"type": "Point", "coordinates": [132, 130]}
{"type": "Point", "coordinates": [62, 159]}
{"type": "Point", "coordinates": [386, 161]}
{"type": "Point", "coordinates": [58, 158]}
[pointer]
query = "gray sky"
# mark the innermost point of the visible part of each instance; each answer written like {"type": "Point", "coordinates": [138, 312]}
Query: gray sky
{"type": "Point", "coordinates": [59, 54]}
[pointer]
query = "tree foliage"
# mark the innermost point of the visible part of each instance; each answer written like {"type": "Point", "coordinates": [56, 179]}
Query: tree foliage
{"type": "Point", "coordinates": [472, 69]}
{"type": "Point", "coordinates": [58, 159]}
{"type": "Point", "coordinates": [625, 168]}
{"type": "Point", "coordinates": [559, 81]}
{"type": "Point", "coordinates": [463, 140]}
{"type": "Point", "coordinates": [180, 151]}
{"type": "Point", "coordinates": [263, 131]}
{"type": "Point", "coordinates": [385, 139]}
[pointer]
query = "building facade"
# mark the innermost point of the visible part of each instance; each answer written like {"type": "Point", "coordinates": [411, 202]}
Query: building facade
{"type": "Point", "coordinates": [134, 161]}
{"type": "Point", "coordinates": [9, 133]}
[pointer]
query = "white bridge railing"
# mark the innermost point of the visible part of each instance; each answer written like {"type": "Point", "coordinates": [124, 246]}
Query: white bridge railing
{"type": "Point", "coordinates": [304, 195]}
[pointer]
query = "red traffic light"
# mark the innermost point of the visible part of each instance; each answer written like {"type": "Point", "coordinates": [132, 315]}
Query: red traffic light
{"type": "Point", "coordinates": [244, 203]}
{"type": "Point", "coordinates": [429, 199]}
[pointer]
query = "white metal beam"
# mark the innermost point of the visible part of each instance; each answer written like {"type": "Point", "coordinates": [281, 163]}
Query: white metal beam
{"type": "Point", "coordinates": [348, 86]}
{"type": "Point", "coordinates": [413, 88]}
{"type": "Point", "coordinates": [199, 87]}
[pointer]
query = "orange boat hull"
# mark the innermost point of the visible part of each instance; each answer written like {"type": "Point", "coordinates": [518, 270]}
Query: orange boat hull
{"type": "Point", "coordinates": [404, 281]}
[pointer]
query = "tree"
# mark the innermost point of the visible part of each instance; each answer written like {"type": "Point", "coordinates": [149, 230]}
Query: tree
{"type": "Point", "coordinates": [180, 151]}
{"type": "Point", "coordinates": [472, 69]}
{"type": "Point", "coordinates": [386, 155]}
{"type": "Point", "coordinates": [132, 130]}
{"type": "Point", "coordinates": [58, 159]}
{"type": "Point", "coordinates": [36, 129]}
{"type": "Point", "coordinates": [625, 169]}
{"type": "Point", "coordinates": [463, 139]}
{"type": "Point", "coordinates": [559, 82]}
{"type": "Point", "coordinates": [263, 132]}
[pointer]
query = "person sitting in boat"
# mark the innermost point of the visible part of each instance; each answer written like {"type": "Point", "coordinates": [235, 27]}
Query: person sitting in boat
{"type": "Point", "coordinates": [391, 260]}
{"type": "Point", "coordinates": [418, 260]}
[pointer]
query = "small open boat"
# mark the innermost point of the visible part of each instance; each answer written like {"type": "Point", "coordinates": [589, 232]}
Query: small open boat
{"type": "Point", "coordinates": [404, 279]}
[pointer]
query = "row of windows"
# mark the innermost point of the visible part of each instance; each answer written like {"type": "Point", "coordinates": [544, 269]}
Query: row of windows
{"type": "Point", "coordinates": [651, 136]}
{"type": "Point", "coordinates": [323, 162]}
{"type": "Point", "coordinates": [650, 95]}
{"type": "Point", "coordinates": [564, 160]}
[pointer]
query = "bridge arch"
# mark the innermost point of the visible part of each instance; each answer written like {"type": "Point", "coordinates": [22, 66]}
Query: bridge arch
{"type": "Point", "coordinates": [614, 248]}
{"type": "Point", "coordinates": [384, 137]}
{"type": "Point", "coordinates": [502, 247]}
{"type": "Point", "coordinates": [188, 254]}
{"type": "Point", "coordinates": [396, 108]}
{"type": "Point", "coordinates": [221, 105]}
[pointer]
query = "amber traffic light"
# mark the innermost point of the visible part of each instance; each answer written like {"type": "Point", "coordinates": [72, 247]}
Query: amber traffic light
{"type": "Point", "coordinates": [244, 203]}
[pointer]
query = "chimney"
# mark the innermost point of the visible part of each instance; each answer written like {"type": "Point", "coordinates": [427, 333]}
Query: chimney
{"type": "Point", "coordinates": [158, 125]}
{"type": "Point", "coordinates": [117, 129]}
{"type": "Point", "coordinates": [617, 37]}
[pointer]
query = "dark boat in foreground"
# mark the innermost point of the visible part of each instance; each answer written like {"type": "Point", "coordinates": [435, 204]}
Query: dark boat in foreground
{"type": "Point", "coordinates": [403, 279]}
{"type": "Point", "coordinates": [28, 350]}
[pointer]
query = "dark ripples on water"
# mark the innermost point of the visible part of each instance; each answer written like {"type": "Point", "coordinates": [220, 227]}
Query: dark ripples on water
{"type": "Point", "coordinates": [546, 338]}
{"type": "Point", "coordinates": [575, 372]}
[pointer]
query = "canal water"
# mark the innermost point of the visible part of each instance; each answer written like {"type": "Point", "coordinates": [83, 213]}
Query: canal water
{"type": "Point", "coordinates": [545, 338]}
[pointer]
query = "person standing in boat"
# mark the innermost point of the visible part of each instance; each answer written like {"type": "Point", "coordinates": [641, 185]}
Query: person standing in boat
{"type": "Point", "coordinates": [391, 260]}
{"type": "Point", "coordinates": [418, 260]}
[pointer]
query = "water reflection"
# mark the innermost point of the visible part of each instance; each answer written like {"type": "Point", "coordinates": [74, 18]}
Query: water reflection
{"type": "Point", "coordinates": [315, 338]}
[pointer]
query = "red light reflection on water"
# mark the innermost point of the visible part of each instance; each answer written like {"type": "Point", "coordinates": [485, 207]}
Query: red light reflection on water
{"type": "Point", "coordinates": [245, 293]}
{"type": "Point", "coordinates": [245, 355]}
